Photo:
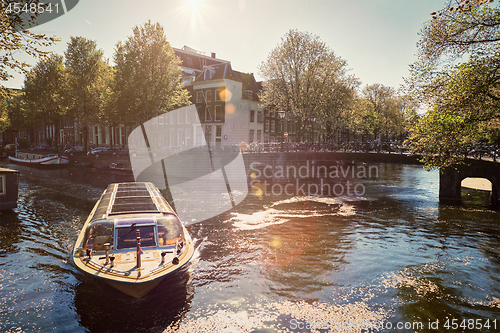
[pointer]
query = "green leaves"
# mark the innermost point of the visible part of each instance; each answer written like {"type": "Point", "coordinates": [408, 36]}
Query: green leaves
{"type": "Point", "coordinates": [457, 76]}
{"type": "Point", "coordinates": [305, 78]}
{"type": "Point", "coordinates": [148, 75]}
{"type": "Point", "coordinates": [44, 92]}
{"type": "Point", "coordinates": [14, 38]}
{"type": "Point", "coordinates": [87, 79]}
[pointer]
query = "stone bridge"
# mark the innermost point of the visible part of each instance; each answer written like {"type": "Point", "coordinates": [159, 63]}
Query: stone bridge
{"type": "Point", "coordinates": [450, 179]}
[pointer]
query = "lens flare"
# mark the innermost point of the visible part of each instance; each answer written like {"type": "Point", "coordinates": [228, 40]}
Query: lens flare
{"type": "Point", "coordinates": [193, 3]}
{"type": "Point", "coordinates": [258, 190]}
{"type": "Point", "coordinates": [225, 95]}
{"type": "Point", "coordinates": [275, 242]}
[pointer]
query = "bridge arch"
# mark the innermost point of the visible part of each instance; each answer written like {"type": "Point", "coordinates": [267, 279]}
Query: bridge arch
{"type": "Point", "coordinates": [450, 179]}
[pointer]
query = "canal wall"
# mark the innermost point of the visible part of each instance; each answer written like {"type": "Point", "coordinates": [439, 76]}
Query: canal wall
{"type": "Point", "coordinates": [279, 158]}
{"type": "Point", "coordinates": [328, 157]}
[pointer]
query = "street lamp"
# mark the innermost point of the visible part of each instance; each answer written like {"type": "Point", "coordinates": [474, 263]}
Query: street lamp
{"type": "Point", "coordinates": [312, 128]}
{"type": "Point", "coordinates": [281, 114]}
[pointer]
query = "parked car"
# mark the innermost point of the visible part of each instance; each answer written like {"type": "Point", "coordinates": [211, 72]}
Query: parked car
{"type": "Point", "coordinates": [42, 147]}
{"type": "Point", "coordinates": [98, 151]}
{"type": "Point", "coordinates": [8, 149]}
{"type": "Point", "coordinates": [121, 152]}
{"type": "Point", "coordinates": [76, 150]}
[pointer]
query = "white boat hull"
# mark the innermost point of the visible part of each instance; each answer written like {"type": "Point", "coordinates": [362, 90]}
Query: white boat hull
{"type": "Point", "coordinates": [137, 283]}
{"type": "Point", "coordinates": [42, 161]}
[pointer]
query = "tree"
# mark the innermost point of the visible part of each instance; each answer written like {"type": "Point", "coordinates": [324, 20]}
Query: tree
{"type": "Point", "coordinates": [14, 38]}
{"type": "Point", "coordinates": [457, 77]}
{"type": "Point", "coordinates": [44, 91]}
{"type": "Point", "coordinates": [362, 118]}
{"type": "Point", "coordinates": [148, 76]}
{"type": "Point", "coordinates": [85, 66]}
{"type": "Point", "coordinates": [388, 107]}
{"type": "Point", "coordinates": [4, 115]}
{"type": "Point", "coordinates": [305, 78]}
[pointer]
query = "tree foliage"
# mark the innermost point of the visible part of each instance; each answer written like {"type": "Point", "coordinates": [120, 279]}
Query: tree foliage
{"type": "Point", "coordinates": [85, 66]}
{"type": "Point", "coordinates": [4, 114]}
{"type": "Point", "coordinates": [388, 107]}
{"type": "Point", "coordinates": [44, 92]}
{"type": "Point", "coordinates": [305, 78]}
{"type": "Point", "coordinates": [361, 117]}
{"type": "Point", "coordinates": [148, 76]}
{"type": "Point", "coordinates": [14, 39]}
{"type": "Point", "coordinates": [457, 77]}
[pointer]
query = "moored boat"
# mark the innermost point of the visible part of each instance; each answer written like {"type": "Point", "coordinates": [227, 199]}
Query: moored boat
{"type": "Point", "coordinates": [120, 167]}
{"type": "Point", "coordinates": [132, 239]}
{"type": "Point", "coordinates": [39, 159]}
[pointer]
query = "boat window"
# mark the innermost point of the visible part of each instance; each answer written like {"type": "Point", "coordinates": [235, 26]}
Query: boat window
{"type": "Point", "coordinates": [169, 230]}
{"type": "Point", "coordinates": [127, 236]}
{"type": "Point", "coordinates": [98, 234]}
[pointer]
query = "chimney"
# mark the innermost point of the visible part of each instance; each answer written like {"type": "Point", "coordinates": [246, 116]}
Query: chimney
{"type": "Point", "coordinates": [213, 55]}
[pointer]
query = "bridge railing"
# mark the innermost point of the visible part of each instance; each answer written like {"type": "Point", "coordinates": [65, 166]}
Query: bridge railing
{"type": "Point", "coordinates": [366, 147]}
{"type": "Point", "coordinates": [477, 151]}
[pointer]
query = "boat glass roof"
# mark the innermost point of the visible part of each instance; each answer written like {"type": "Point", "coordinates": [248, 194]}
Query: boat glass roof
{"type": "Point", "coordinates": [129, 198]}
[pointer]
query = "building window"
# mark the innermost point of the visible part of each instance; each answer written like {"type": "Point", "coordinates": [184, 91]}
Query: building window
{"type": "Point", "coordinates": [179, 118]}
{"type": "Point", "coordinates": [260, 117]}
{"type": "Point", "coordinates": [266, 126]}
{"type": "Point", "coordinates": [248, 94]}
{"type": "Point", "coordinates": [259, 135]}
{"type": "Point", "coordinates": [273, 126]}
{"type": "Point", "coordinates": [209, 95]}
{"type": "Point", "coordinates": [200, 113]}
{"type": "Point", "coordinates": [251, 136]}
{"type": "Point", "coordinates": [217, 95]}
{"type": "Point", "coordinates": [273, 114]}
{"type": "Point", "coordinates": [208, 113]}
{"type": "Point", "coordinates": [208, 134]}
{"type": "Point", "coordinates": [252, 116]}
{"type": "Point", "coordinates": [96, 132]}
{"type": "Point", "coordinates": [173, 139]}
{"type": "Point", "coordinates": [2, 185]}
{"type": "Point", "coordinates": [199, 136]}
{"type": "Point", "coordinates": [266, 113]}
{"type": "Point", "coordinates": [218, 113]}
{"type": "Point", "coordinates": [199, 97]}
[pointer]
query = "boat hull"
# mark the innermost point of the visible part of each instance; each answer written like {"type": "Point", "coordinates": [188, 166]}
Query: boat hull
{"type": "Point", "coordinates": [140, 289]}
{"type": "Point", "coordinates": [134, 285]}
{"type": "Point", "coordinates": [54, 160]}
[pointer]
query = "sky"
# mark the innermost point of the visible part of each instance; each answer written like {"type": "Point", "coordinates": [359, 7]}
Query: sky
{"type": "Point", "coordinates": [377, 38]}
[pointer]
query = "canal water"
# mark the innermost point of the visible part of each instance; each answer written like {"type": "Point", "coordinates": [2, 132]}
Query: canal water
{"type": "Point", "coordinates": [392, 259]}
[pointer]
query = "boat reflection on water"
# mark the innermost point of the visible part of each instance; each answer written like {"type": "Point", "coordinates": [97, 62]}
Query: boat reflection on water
{"type": "Point", "coordinates": [104, 309]}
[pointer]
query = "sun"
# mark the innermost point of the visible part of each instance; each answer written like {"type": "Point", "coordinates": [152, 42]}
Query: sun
{"type": "Point", "coordinates": [193, 3]}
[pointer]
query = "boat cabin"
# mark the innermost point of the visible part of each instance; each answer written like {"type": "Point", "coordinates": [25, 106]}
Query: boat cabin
{"type": "Point", "coordinates": [9, 182]}
{"type": "Point", "coordinates": [129, 211]}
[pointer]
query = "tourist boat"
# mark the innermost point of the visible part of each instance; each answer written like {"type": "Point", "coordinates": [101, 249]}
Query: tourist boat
{"type": "Point", "coordinates": [132, 239]}
{"type": "Point", "coordinates": [39, 159]}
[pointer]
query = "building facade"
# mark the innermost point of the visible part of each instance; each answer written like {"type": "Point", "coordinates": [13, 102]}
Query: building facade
{"type": "Point", "coordinates": [227, 100]}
